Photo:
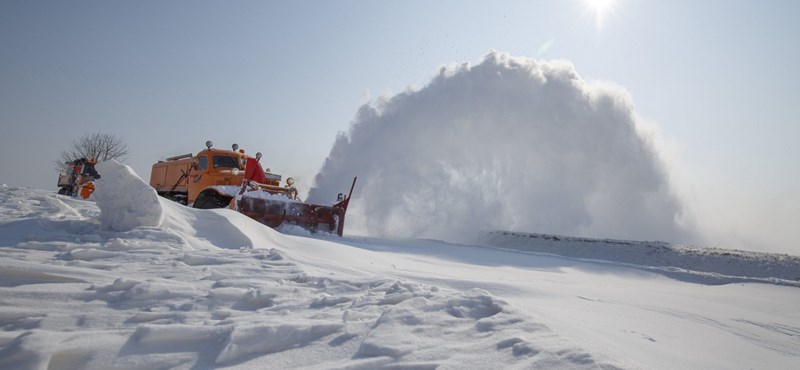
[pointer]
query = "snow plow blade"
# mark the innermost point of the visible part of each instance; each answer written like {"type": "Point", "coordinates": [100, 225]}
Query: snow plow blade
{"type": "Point", "coordinates": [274, 211]}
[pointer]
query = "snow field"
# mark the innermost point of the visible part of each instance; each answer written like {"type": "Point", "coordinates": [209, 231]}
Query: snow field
{"type": "Point", "coordinates": [165, 286]}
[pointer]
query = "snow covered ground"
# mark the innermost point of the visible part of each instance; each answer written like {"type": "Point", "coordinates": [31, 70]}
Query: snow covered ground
{"type": "Point", "coordinates": [135, 281]}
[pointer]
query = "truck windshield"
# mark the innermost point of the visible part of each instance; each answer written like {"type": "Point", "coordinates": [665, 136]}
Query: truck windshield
{"type": "Point", "coordinates": [225, 161]}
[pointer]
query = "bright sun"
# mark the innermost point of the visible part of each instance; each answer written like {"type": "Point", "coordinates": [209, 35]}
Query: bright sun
{"type": "Point", "coordinates": [600, 9]}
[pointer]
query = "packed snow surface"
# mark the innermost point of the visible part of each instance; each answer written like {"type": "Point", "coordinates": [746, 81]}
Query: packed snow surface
{"type": "Point", "coordinates": [192, 289]}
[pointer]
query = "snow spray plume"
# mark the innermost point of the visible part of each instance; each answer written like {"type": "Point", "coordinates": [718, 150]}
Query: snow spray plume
{"type": "Point", "coordinates": [512, 144]}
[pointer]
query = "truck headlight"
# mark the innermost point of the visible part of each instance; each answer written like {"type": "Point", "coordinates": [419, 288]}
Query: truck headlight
{"type": "Point", "coordinates": [289, 181]}
{"type": "Point", "coordinates": [235, 172]}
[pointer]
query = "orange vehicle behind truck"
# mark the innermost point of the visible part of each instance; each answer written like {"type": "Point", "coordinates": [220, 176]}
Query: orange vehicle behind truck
{"type": "Point", "coordinates": [218, 178]}
{"type": "Point", "coordinates": [79, 180]}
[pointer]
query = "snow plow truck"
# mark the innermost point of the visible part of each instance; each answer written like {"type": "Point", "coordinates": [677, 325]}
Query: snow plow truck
{"type": "Point", "coordinates": [218, 178]}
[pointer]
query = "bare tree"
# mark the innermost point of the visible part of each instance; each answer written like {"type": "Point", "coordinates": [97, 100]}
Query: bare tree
{"type": "Point", "coordinates": [99, 145]}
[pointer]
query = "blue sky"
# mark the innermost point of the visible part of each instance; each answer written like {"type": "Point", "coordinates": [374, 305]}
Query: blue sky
{"type": "Point", "coordinates": [718, 78]}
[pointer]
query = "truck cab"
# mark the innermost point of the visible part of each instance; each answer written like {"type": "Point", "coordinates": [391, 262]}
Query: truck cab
{"type": "Point", "coordinates": [183, 178]}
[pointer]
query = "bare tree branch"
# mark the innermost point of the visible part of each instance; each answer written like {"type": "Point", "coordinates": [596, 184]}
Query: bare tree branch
{"type": "Point", "coordinates": [98, 145]}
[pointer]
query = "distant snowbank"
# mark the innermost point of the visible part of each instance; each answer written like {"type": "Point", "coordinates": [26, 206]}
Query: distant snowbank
{"type": "Point", "coordinates": [718, 264]}
{"type": "Point", "coordinates": [125, 200]}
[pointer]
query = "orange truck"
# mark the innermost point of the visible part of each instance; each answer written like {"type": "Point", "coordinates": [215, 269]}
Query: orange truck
{"type": "Point", "coordinates": [218, 178]}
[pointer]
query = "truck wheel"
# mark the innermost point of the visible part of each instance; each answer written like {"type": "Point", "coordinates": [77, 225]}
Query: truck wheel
{"type": "Point", "coordinates": [210, 199]}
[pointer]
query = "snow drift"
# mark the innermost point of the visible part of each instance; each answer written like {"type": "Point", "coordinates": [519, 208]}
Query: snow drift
{"type": "Point", "coordinates": [125, 200]}
{"type": "Point", "coordinates": [510, 144]}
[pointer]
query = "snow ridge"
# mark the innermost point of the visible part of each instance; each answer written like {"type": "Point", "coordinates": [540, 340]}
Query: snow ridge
{"type": "Point", "coordinates": [711, 265]}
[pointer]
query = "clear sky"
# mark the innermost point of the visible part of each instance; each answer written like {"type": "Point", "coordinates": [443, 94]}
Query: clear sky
{"type": "Point", "coordinates": [718, 78]}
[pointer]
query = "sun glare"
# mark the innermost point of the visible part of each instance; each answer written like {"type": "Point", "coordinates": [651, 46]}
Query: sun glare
{"type": "Point", "coordinates": [600, 8]}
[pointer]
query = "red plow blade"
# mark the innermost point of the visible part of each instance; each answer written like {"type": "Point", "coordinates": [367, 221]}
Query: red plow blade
{"type": "Point", "coordinates": [275, 211]}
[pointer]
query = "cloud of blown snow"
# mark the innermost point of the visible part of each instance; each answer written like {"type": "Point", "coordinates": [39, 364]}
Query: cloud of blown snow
{"type": "Point", "coordinates": [510, 143]}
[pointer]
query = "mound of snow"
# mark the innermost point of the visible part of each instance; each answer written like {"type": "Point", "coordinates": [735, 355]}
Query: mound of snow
{"type": "Point", "coordinates": [125, 200]}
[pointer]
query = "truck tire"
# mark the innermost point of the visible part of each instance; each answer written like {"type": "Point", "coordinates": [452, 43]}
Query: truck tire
{"type": "Point", "coordinates": [210, 199]}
